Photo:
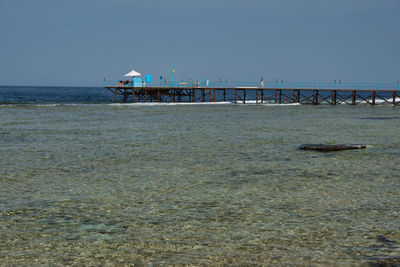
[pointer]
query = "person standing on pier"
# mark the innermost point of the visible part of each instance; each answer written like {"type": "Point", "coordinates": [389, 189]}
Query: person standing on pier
{"type": "Point", "coordinates": [262, 82]}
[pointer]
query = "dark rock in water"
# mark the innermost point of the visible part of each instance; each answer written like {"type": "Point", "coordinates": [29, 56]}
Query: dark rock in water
{"type": "Point", "coordinates": [392, 262]}
{"type": "Point", "coordinates": [380, 118]}
{"type": "Point", "coordinates": [382, 239]}
{"type": "Point", "coordinates": [329, 148]}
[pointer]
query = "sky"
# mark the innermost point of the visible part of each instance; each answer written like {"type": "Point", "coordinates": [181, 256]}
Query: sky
{"type": "Point", "coordinates": [79, 42]}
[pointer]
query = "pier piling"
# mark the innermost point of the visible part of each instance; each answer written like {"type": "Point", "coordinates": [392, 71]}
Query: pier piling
{"type": "Point", "coordinates": [257, 96]}
{"type": "Point", "coordinates": [373, 97]}
{"type": "Point", "coordinates": [214, 95]}
{"type": "Point", "coordinates": [235, 96]}
{"type": "Point", "coordinates": [262, 96]}
{"type": "Point", "coordinates": [275, 95]}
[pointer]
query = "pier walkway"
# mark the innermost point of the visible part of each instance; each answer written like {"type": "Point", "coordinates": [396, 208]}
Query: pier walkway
{"type": "Point", "coordinates": [248, 92]}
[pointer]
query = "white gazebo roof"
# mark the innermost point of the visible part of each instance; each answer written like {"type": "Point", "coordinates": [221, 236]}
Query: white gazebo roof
{"type": "Point", "coordinates": [133, 73]}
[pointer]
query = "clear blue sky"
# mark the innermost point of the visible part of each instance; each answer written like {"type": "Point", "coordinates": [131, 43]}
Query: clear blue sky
{"type": "Point", "coordinates": [78, 42]}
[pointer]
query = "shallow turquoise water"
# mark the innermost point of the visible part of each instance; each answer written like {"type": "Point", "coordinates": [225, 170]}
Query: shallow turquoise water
{"type": "Point", "coordinates": [216, 184]}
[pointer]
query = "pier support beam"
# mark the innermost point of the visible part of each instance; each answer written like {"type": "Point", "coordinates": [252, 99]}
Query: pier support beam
{"type": "Point", "coordinates": [145, 95]}
{"type": "Point", "coordinates": [315, 97]}
{"type": "Point", "coordinates": [294, 96]}
{"type": "Point", "coordinates": [202, 95]}
{"type": "Point", "coordinates": [214, 95]}
{"type": "Point", "coordinates": [353, 97]}
{"type": "Point", "coordinates": [244, 96]}
{"type": "Point", "coordinates": [373, 97]}
{"type": "Point", "coordinates": [278, 96]}
{"type": "Point", "coordinates": [133, 95]}
{"type": "Point", "coordinates": [116, 95]}
{"type": "Point", "coordinates": [394, 98]}
{"type": "Point", "coordinates": [298, 96]}
{"type": "Point", "coordinates": [158, 95]}
{"type": "Point", "coordinates": [209, 91]}
{"type": "Point", "coordinates": [235, 96]}
{"type": "Point", "coordinates": [262, 96]}
{"type": "Point", "coordinates": [224, 95]}
{"type": "Point", "coordinates": [194, 95]}
{"type": "Point", "coordinates": [333, 98]}
{"type": "Point", "coordinates": [257, 96]}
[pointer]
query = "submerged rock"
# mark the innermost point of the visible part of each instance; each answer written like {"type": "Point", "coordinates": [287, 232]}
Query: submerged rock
{"type": "Point", "coordinates": [380, 118]}
{"type": "Point", "coordinates": [388, 262]}
{"type": "Point", "coordinates": [328, 148]}
{"type": "Point", "coordinates": [383, 239]}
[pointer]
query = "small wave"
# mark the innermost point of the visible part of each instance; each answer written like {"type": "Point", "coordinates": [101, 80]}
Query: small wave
{"type": "Point", "coordinates": [199, 103]}
{"type": "Point", "coordinates": [269, 104]}
{"type": "Point", "coordinates": [387, 101]}
{"type": "Point", "coordinates": [138, 104]}
{"type": "Point", "coordinates": [168, 103]}
{"type": "Point", "coordinates": [46, 105]}
{"type": "Point", "coordinates": [29, 105]}
{"type": "Point", "coordinates": [8, 105]}
{"type": "Point", "coordinates": [52, 105]}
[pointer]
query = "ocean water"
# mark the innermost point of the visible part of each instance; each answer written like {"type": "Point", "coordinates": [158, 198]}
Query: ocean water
{"type": "Point", "coordinates": [87, 182]}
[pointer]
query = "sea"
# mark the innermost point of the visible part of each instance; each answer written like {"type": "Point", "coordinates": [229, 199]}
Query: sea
{"type": "Point", "coordinates": [85, 181]}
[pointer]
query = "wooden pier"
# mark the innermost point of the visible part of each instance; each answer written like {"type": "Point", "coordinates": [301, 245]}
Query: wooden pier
{"type": "Point", "coordinates": [255, 95]}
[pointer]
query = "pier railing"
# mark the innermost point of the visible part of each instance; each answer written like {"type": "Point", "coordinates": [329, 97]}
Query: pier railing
{"type": "Point", "coordinates": [276, 85]}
